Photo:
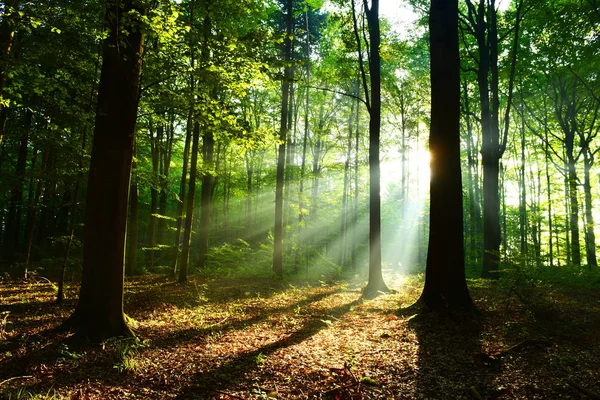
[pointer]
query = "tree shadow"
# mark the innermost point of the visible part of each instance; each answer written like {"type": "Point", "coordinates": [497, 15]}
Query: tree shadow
{"type": "Point", "coordinates": [81, 360]}
{"type": "Point", "coordinates": [144, 295]}
{"type": "Point", "coordinates": [205, 384]}
{"type": "Point", "coordinates": [450, 359]}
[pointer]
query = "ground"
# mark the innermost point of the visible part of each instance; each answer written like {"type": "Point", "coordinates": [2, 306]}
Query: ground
{"type": "Point", "coordinates": [261, 338]}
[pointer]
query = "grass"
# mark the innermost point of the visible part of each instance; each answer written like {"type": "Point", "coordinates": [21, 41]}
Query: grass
{"type": "Point", "coordinates": [259, 338]}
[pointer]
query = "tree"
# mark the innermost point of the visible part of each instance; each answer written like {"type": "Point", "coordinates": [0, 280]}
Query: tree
{"type": "Point", "coordinates": [373, 102]}
{"type": "Point", "coordinates": [99, 311]}
{"type": "Point", "coordinates": [445, 285]}
{"type": "Point", "coordinates": [285, 90]}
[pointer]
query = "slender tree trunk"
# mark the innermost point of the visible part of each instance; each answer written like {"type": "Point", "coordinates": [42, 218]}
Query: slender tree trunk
{"type": "Point", "coordinates": [356, 165]}
{"type": "Point", "coordinates": [151, 232]}
{"type": "Point", "coordinates": [182, 184]}
{"type": "Point", "coordinates": [208, 146]}
{"type": "Point", "coordinates": [189, 215]}
{"type": "Point", "coordinates": [301, 217]}
{"type": "Point", "coordinates": [548, 185]}
{"type": "Point", "coordinates": [166, 153]}
{"type": "Point", "coordinates": [376, 283]}
{"type": "Point", "coordinates": [10, 20]}
{"type": "Point", "coordinates": [13, 220]}
{"type": "Point", "coordinates": [590, 236]}
{"type": "Point", "coordinates": [99, 312]}
{"type": "Point", "coordinates": [285, 87]}
{"type": "Point", "coordinates": [345, 209]}
{"type": "Point", "coordinates": [133, 224]}
{"type": "Point", "coordinates": [523, 217]}
{"type": "Point", "coordinates": [248, 159]}
{"type": "Point", "coordinates": [29, 231]}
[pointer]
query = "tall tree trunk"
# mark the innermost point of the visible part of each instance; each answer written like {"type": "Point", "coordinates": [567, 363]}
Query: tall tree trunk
{"type": "Point", "coordinates": [10, 20]}
{"type": "Point", "coordinates": [484, 23]}
{"type": "Point", "coordinates": [445, 285]}
{"type": "Point", "coordinates": [301, 217]}
{"type": "Point", "coordinates": [548, 185]}
{"type": "Point", "coordinates": [12, 230]}
{"type": "Point", "coordinates": [208, 146]}
{"type": "Point", "coordinates": [189, 214]}
{"type": "Point", "coordinates": [523, 217]}
{"type": "Point", "coordinates": [285, 88]}
{"type": "Point", "coordinates": [29, 230]}
{"type": "Point", "coordinates": [99, 312]}
{"type": "Point", "coordinates": [345, 194]}
{"type": "Point", "coordinates": [133, 223]}
{"type": "Point", "coordinates": [590, 236]}
{"type": "Point", "coordinates": [573, 207]}
{"type": "Point", "coordinates": [166, 153]}
{"type": "Point", "coordinates": [155, 142]}
{"type": "Point", "coordinates": [183, 181]}
{"type": "Point", "coordinates": [356, 165]}
{"type": "Point", "coordinates": [376, 283]}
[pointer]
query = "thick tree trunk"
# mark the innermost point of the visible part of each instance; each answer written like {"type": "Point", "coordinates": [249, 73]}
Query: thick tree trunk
{"type": "Point", "coordinates": [445, 285]}
{"type": "Point", "coordinates": [99, 312]}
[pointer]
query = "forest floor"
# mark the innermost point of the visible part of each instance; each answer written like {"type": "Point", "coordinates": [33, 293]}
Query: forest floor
{"type": "Point", "coordinates": [260, 338]}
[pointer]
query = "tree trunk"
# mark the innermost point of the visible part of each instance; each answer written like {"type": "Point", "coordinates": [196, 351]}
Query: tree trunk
{"type": "Point", "coordinates": [285, 88]}
{"type": "Point", "coordinates": [10, 20]}
{"type": "Point", "coordinates": [29, 231]}
{"type": "Point", "coordinates": [590, 236]}
{"type": "Point", "coordinates": [208, 146]}
{"type": "Point", "coordinates": [12, 230]}
{"type": "Point", "coordinates": [445, 284]}
{"type": "Point", "coordinates": [182, 184]}
{"type": "Point", "coordinates": [151, 232]}
{"type": "Point", "coordinates": [99, 312]}
{"type": "Point", "coordinates": [166, 153]}
{"type": "Point", "coordinates": [376, 283]}
{"type": "Point", "coordinates": [133, 225]}
{"type": "Point", "coordinates": [189, 215]}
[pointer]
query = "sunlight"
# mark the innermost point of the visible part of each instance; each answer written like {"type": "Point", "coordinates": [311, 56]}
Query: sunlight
{"type": "Point", "coordinates": [404, 197]}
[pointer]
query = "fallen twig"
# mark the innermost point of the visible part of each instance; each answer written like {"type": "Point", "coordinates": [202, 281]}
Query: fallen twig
{"type": "Point", "coordinates": [522, 344]}
{"type": "Point", "coordinates": [347, 386]}
{"type": "Point", "coordinates": [15, 377]}
{"type": "Point", "coordinates": [227, 394]}
{"type": "Point", "coordinates": [583, 390]}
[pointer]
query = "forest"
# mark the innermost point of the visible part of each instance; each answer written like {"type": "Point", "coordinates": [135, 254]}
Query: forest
{"type": "Point", "coordinates": [299, 199]}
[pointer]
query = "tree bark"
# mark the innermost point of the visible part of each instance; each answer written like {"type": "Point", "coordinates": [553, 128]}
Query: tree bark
{"type": "Point", "coordinates": [182, 185]}
{"type": "Point", "coordinates": [590, 236]}
{"type": "Point", "coordinates": [376, 283]}
{"type": "Point", "coordinates": [445, 285]}
{"type": "Point", "coordinates": [189, 214]}
{"type": "Point", "coordinates": [285, 88]}
{"type": "Point", "coordinates": [99, 311]}
{"type": "Point", "coordinates": [208, 146]}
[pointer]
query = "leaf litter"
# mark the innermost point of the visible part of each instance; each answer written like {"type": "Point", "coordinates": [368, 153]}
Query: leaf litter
{"type": "Point", "coordinates": [261, 338]}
